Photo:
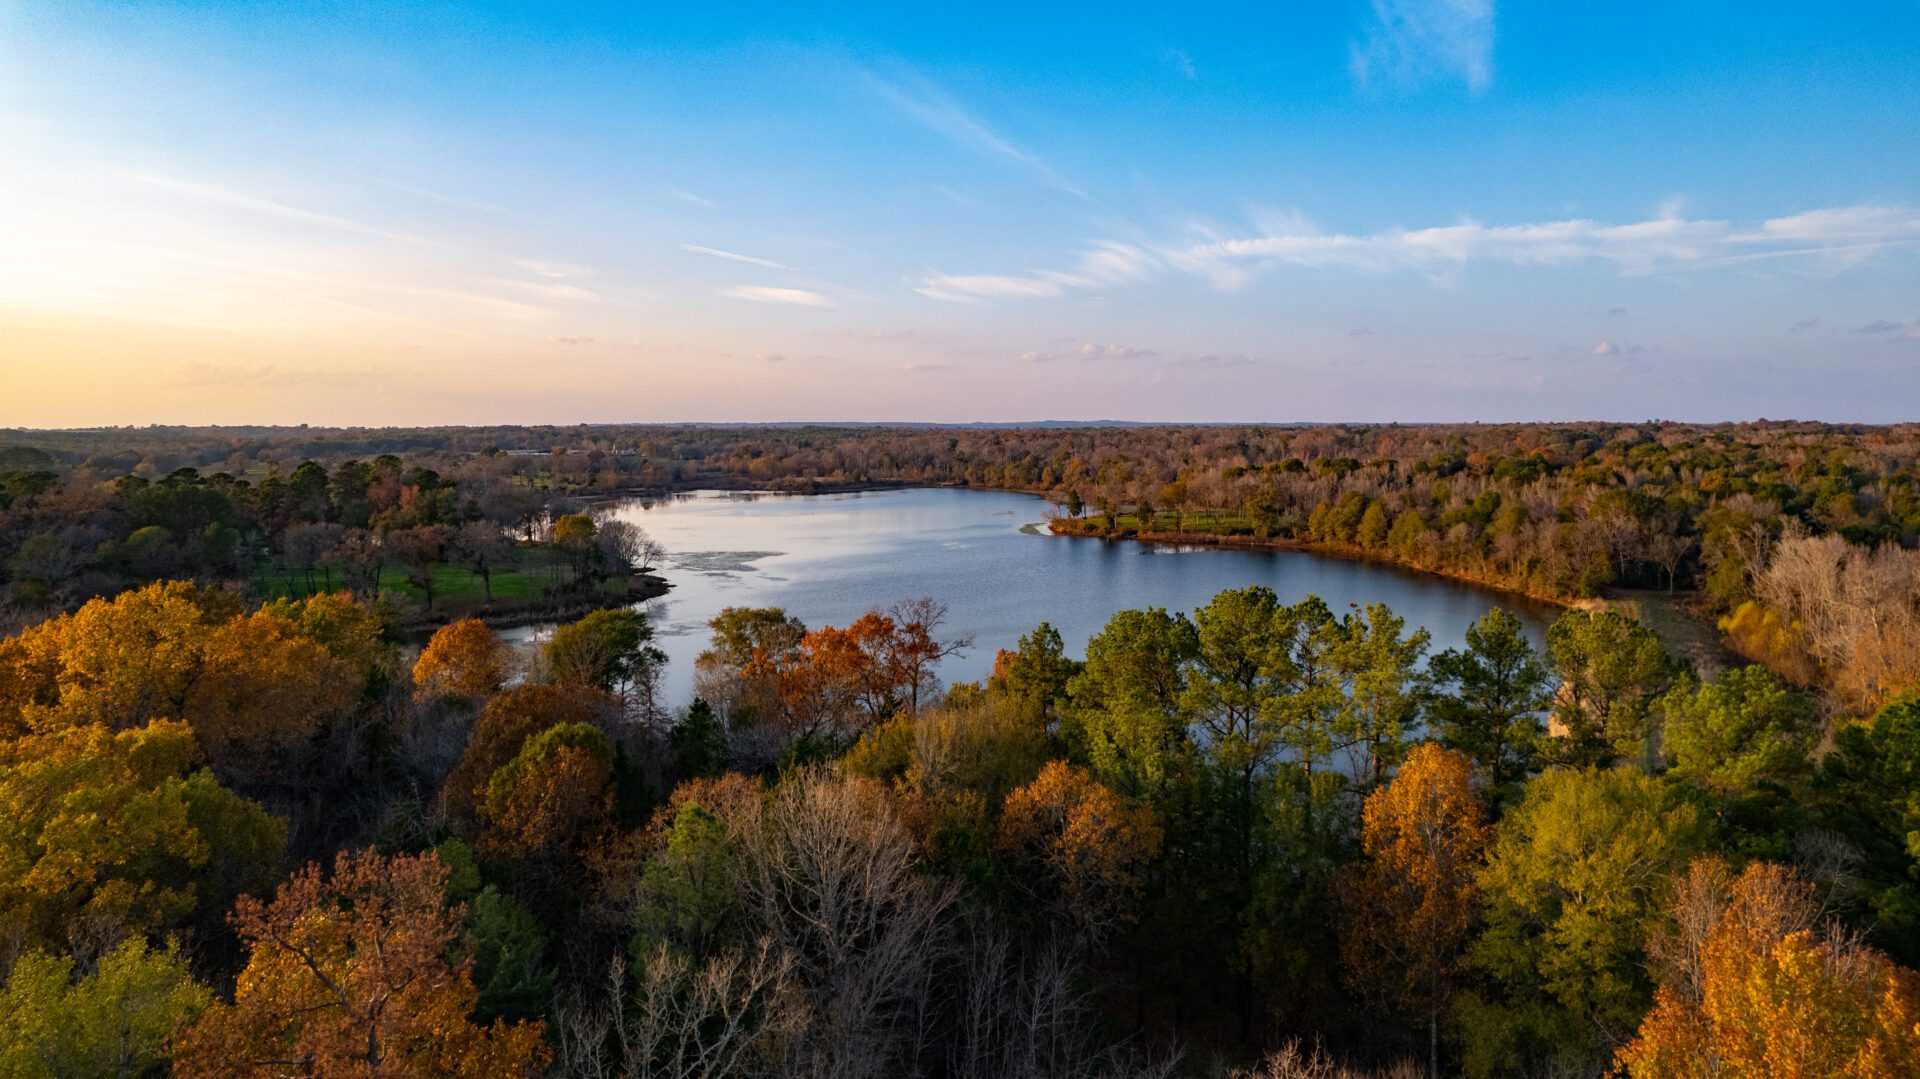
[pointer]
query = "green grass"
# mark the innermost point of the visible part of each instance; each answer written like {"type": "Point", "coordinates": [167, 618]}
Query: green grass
{"type": "Point", "coordinates": [1209, 523]}
{"type": "Point", "coordinates": [454, 585]}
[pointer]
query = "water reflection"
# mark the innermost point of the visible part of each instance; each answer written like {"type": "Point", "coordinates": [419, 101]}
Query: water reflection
{"type": "Point", "coordinates": [828, 558]}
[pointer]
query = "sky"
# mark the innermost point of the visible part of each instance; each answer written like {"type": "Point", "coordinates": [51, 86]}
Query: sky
{"type": "Point", "coordinates": [1363, 210]}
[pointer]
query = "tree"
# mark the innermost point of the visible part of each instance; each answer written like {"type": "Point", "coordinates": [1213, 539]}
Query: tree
{"type": "Point", "coordinates": [1868, 791]}
{"type": "Point", "coordinates": [831, 878]}
{"type": "Point", "coordinates": [1036, 673]}
{"type": "Point", "coordinates": [575, 534]}
{"type": "Point", "coordinates": [1744, 728]}
{"type": "Point", "coordinates": [625, 548]}
{"type": "Point", "coordinates": [690, 889]}
{"type": "Point", "coordinates": [551, 797]}
{"type": "Point", "coordinates": [1578, 874]}
{"type": "Point", "coordinates": [1126, 698]}
{"type": "Point", "coordinates": [483, 547]}
{"type": "Point", "coordinates": [1490, 699]}
{"type": "Point", "coordinates": [699, 742]}
{"type": "Point", "coordinates": [265, 693]}
{"type": "Point", "coordinates": [422, 549]}
{"type": "Point", "coordinates": [113, 1021]}
{"type": "Point", "coordinates": [609, 650]}
{"type": "Point", "coordinates": [104, 835]}
{"type": "Point", "coordinates": [1384, 688]}
{"type": "Point", "coordinates": [118, 663]}
{"type": "Point", "coordinates": [1083, 851]}
{"type": "Point", "coordinates": [502, 727]}
{"type": "Point", "coordinates": [463, 659]}
{"type": "Point", "coordinates": [916, 647]}
{"type": "Point", "coordinates": [350, 976]}
{"type": "Point", "coordinates": [1611, 670]}
{"type": "Point", "coordinates": [1409, 904]}
{"type": "Point", "coordinates": [1766, 987]}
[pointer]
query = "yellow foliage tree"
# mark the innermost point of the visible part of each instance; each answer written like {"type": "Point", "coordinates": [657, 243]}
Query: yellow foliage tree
{"type": "Point", "coordinates": [1758, 986]}
{"type": "Point", "coordinates": [106, 834]}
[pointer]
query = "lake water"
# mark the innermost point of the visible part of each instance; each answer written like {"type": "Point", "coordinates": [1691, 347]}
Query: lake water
{"type": "Point", "coordinates": [830, 558]}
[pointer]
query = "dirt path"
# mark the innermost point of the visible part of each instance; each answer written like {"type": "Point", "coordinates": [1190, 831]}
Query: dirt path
{"type": "Point", "coordinates": [1684, 634]}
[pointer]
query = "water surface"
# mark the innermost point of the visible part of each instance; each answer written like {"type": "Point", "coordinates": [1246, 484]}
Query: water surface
{"type": "Point", "coordinates": [830, 558]}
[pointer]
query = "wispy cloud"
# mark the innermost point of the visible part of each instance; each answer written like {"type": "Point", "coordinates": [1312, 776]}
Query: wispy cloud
{"type": "Point", "coordinates": [972, 288]}
{"type": "Point", "coordinates": [934, 109]}
{"type": "Point", "coordinates": [690, 198]}
{"type": "Point", "coordinates": [1181, 62]}
{"type": "Point", "coordinates": [1104, 263]}
{"type": "Point", "coordinates": [1090, 350]}
{"type": "Point", "coordinates": [1617, 348]}
{"type": "Point", "coordinates": [1831, 240]}
{"type": "Point", "coordinates": [543, 268]}
{"type": "Point", "coordinates": [1881, 326]}
{"type": "Point", "coordinates": [719, 254]}
{"type": "Point", "coordinates": [1408, 42]}
{"type": "Point", "coordinates": [768, 294]}
{"type": "Point", "coordinates": [1635, 247]}
{"type": "Point", "coordinates": [266, 207]}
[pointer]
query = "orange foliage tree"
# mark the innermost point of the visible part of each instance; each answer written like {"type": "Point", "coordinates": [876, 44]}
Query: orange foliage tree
{"type": "Point", "coordinates": [1757, 984]}
{"type": "Point", "coordinates": [1408, 904]}
{"type": "Point", "coordinates": [349, 977]}
{"type": "Point", "coordinates": [1087, 849]}
{"type": "Point", "coordinates": [464, 659]}
{"type": "Point", "coordinates": [264, 692]}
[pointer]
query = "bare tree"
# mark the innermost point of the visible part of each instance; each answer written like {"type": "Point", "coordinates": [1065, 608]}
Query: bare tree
{"type": "Point", "coordinates": [730, 1015]}
{"type": "Point", "coordinates": [831, 878]}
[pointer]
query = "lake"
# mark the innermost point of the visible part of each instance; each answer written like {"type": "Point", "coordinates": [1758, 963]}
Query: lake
{"type": "Point", "coordinates": [987, 555]}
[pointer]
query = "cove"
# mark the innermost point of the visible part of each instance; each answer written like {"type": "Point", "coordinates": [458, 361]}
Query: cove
{"type": "Point", "coordinates": [986, 554]}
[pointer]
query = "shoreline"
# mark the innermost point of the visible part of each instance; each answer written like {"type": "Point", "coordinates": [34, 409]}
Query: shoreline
{"type": "Point", "coordinates": [640, 588]}
{"type": "Point", "coordinates": [1343, 551]}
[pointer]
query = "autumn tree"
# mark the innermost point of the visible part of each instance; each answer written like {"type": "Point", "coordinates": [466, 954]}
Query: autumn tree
{"type": "Point", "coordinates": [1760, 983]}
{"type": "Point", "coordinates": [1082, 850]}
{"type": "Point", "coordinates": [503, 726]}
{"type": "Point", "coordinates": [104, 835]}
{"type": "Point", "coordinates": [265, 695]}
{"type": "Point", "coordinates": [554, 795]}
{"type": "Point", "coordinates": [350, 976]}
{"type": "Point", "coordinates": [463, 659]}
{"type": "Point", "coordinates": [1407, 906]}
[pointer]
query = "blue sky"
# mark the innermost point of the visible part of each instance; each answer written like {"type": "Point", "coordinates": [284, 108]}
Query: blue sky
{"type": "Point", "coordinates": [1375, 210]}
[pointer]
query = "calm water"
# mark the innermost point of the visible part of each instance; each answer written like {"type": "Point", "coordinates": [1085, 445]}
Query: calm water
{"type": "Point", "coordinates": [829, 558]}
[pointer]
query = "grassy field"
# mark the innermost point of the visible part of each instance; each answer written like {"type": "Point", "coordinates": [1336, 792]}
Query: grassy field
{"type": "Point", "coordinates": [456, 587]}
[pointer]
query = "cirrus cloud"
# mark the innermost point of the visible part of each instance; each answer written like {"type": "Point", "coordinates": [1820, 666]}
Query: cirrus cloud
{"type": "Point", "coordinates": [769, 294]}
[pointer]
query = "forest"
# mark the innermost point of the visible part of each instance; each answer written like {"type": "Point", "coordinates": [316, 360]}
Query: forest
{"type": "Point", "coordinates": [247, 828]}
